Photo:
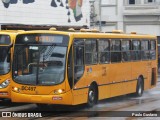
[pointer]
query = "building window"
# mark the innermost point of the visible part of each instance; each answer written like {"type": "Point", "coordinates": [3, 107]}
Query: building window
{"type": "Point", "coordinates": [150, 1]}
{"type": "Point", "coordinates": [131, 1]}
{"type": "Point", "coordinates": [108, 2]}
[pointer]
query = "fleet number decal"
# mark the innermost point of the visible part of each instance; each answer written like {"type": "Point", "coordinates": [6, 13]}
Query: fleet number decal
{"type": "Point", "coordinates": [28, 88]}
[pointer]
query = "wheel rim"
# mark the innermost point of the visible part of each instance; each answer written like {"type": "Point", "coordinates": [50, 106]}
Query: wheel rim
{"type": "Point", "coordinates": [91, 96]}
{"type": "Point", "coordinates": [140, 90]}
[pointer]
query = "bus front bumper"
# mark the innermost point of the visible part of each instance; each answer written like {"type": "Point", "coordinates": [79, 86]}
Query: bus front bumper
{"type": "Point", "coordinates": [63, 99]}
{"type": "Point", "coordinates": [5, 93]}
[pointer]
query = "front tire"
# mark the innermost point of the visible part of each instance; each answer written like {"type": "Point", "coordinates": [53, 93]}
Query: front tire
{"type": "Point", "coordinates": [92, 96]}
{"type": "Point", "coordinates": [140, 88]}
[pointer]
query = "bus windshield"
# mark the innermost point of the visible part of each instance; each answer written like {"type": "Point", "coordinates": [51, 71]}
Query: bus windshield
{"type": "Point", "coordinates": [4, 60]}
{"type": "Point", "coordinates": [40, 63]}
{"type": "Point", "coordinates": [5, 43]}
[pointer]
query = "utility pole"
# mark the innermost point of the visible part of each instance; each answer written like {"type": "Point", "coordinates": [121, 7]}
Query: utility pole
{"type": "Point", "coordinates": [100, 24]}
{"type": "Point", "coordinates": [92, 13]}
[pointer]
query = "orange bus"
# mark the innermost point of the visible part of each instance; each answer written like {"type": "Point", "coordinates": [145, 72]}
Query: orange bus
{"type": "Point", "coordinates": [7, 38]}
{"type": "Point", "coordinates": [76, 67]}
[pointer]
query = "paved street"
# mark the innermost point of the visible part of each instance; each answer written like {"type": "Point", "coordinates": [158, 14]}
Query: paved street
{"type": "Point", "coordinates": [150, 101]}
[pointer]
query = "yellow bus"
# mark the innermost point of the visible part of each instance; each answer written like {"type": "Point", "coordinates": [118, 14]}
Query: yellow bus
{"type": "Point", "coordinates": [7, 38]}
{"type": "Point", "coordinates": [76, 67]}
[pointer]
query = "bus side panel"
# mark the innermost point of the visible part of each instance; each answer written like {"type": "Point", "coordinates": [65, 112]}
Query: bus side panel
{"type": "Point", "coordinates": [116, 79]}
{"type": "Point", "coordinates": [139, 68]}
{"type": "Point", "coordinates": [93, 73]}
{"type": "Point", "coordinates": [116, 89]}
{"type": "Point", "coordinates": [128, 84]}
{"type": "Point", "coordinates": [119, 72]}
{"type": "Point", "coordinates": [104, 83]}
{"type": "Point", "coordinates": [104, 92]}
{"type": "Point", "coordinates": [148, 78]}
{"type": "Point", "coordinates": [154, 74]}
{"type": "Point", "coordinates": [80, 89]}
{"type": "Point", "coordinates": [80, 96]}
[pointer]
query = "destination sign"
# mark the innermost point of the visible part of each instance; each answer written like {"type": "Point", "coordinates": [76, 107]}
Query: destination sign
{"type": "Point", "coordinates": [49, 39]}
{"type": "Point", "coordinates": [42, 39]}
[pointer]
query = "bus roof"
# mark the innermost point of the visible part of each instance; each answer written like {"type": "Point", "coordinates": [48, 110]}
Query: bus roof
{"type": "Point", "coordinates": [11, 34]}
{"type": "Point", "coordinates": [89, 34]}
{"type": "Point", "coordinates": [10, 31]}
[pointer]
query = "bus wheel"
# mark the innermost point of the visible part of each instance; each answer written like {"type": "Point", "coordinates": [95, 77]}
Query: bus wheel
{"type": "Point", "coordinates": [139, 89]}
{"type": "Point", "coordinates": [92, 96]}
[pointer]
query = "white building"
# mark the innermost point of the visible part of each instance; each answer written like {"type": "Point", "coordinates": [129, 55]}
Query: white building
{"type": "Point", "coordinates": [45, 12]}
{"type": "Point", "coordinates": [142, 16]}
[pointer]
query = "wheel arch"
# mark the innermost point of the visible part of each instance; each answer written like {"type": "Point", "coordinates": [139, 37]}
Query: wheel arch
{"type": "Point", "coordinates": [94, 83]}
{"type": "Point", "coordinates": [142, 78]}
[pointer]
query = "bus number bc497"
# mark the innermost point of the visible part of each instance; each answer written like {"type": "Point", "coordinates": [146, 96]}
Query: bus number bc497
{"type": "Point", "coordinates": [28, 88]}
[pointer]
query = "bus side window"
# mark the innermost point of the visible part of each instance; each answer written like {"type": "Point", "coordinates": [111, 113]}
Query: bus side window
{"type": "Point", "coordinates": [136, 53]}
{"type": "Point", "coordinates": [126, 47]}
{"type": "Point", "coordinates": [145, 50]}
{"type": "Point", "coordinates": [78, 59]}
{"type": "Point", "coordinates": [103, 49]}
{"type": "Point", "coordinates": [91, 51]}
{"type": "Point", "coordinates": [115, 50]}
{"type": "Point", "coordinates": [153, 49]}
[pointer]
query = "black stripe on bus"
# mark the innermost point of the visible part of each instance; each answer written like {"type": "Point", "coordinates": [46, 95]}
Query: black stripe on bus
{"type": "Point", "coordinates": [81, 88]}
{"type": "Point", "coordinates": [117, 82]}
{"type": "Point", "coordinates": [108, 84]}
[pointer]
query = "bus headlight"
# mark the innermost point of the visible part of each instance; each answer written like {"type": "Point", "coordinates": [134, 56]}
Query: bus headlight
{"type": "Point", "coordinates": [15, 89]}
{"type": "Point", "coordinates": [59, 91]}
{"type": "Point", "coordinates": [5, 83]}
